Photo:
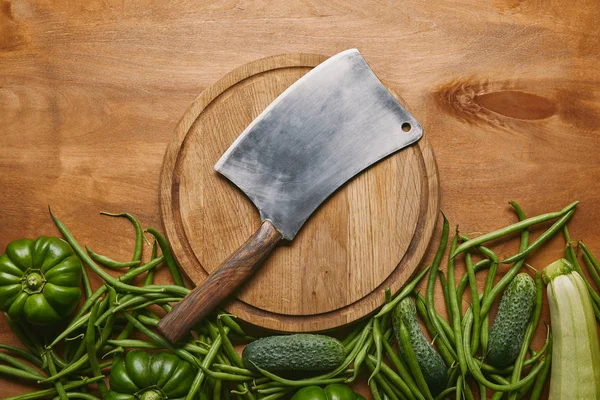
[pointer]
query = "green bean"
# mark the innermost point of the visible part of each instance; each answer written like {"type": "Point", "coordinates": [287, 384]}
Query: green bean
{"type": "Point", "coordinates": [147, 320]}
{"type": "Point", "coordinates": [591, 270]}
{"type": "Point", "coordinates": [361, 356]}
{"type": "Point", "coordinates": [76, 324]}
{"type": "Point", "coordinates": [137, 252]}
{"type": "Point", "coordinates": [596, 311]}
{"type": "Point", "coordinates": [228, 346]}
{"type": "Point", "coordinates": [352, 336]}
{"type": "Point", "coordinates": [275, 396]}
{"type": "Point", "coordinates": [397, 381]}
{"type": "Point", "coordinates": [18, 364]}
{"type": "Point", "coordinates": [50, 392]}
{"type": "Point", "coordinates": [590, 256]}
{"type": "Point", "coordinates": [73, 367]}
{"type": "Point", "coordinates": [538, 387]}
{"type": "Point", "coordinates": [90, 345]}
{"type": "Point", "coordinates": [377, 339]}
{"type": "Point", "coordinates": [507, 370]}
{"type": "Point", "coordinates": [464, 281]}
{"type": "Point", "coordinates": [19, 373]}
{"type": "Point", "coordinates": [168, 255]}
{"type": "Point", "coordinates": [20, 334]}
{"type": "Point", "coordinates": [85, 282]}
{"type": "Point", "coordinates": [459, 387]}
{"type": "Point", "coordinates": [171, 289]}
{"type": "Point", "coordinates": [476, 306]}
{"type": "Point", "coordinates": [109, 262]}
{"type": "Point", "coordinates": [228, 320]}
{"type": "Point", "coordinates": [25, 355]}
{"type": "Point", "coordinates": [541, 239]}
{"type": "Point", "coordinates": [200, 376]}
{"type": "Point", "coordinates": [572, 257]}
{"type": "Point", "coordinates": [529, 333]}
{"type": "Point", "coordinates": [383, 384]}
{"type": "Point", "coordinates": [235, 370]}
{"type": "Point", "coordinates": [497, 396]}
{"type": "Point", "coordinates": [456, 314]}
{"type": "Point", "coordinates": [160, 302]}
{"type": "Point", "coordinates": [468, 393]}
{"type": "Point", "coordinates": [118, 283]}
{"type": "Point", "coordinates": [293, 383]}
{"type": "Point", "coordinates": [442, 395]}
{"type": "Point", "coordinates": [161, 341]}
{"type": "Point", "coordinates": [489, 283]}
{"type": "Point", "coordinates": [402, 371]}
{"type": "Point", "coordinates": [110, 322]}
{"type": "Point", "coordinates": [374, 390]}
{"type": "Point", "coordinates": [80, 395]}
{"type": "Point", "coordinates": [60, 390]}
{"type": "Point", "coordinates": [512, 272]}
{"type": "Point", "coordinates": [127, 277]}
{"type": "Point", "coordinates": [569, 253]}
{"type": "Point", "coordinates": [142, 344]}
{"type": "Point", "coordinates": [216, 394]}
{"type": "Point", "coordinates": [476, 371]}
{"type": "Point", "coordinates": [433, 274]}
{"type": "Point", "coordinates": [482, 390]}
{"type": "Point", "coordinates": [496, 290]}
{"type": "Point", "coordinates": [150, 276]}
{"type": "Point", "coordinates": [408, 288]}
{"type": "Point", "coordinates": [422, 310]}
{"type": "Point", "coordinates": [444, 283]}
{"type": "Point", "coordinates": [411, 359]}
{"type": "Point", "coordinates": [513, 228]}
{"type": "Point", "coordinates": [225, 376]}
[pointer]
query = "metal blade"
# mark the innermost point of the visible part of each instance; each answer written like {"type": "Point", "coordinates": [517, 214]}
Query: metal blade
{"type": "Point", "coordinates": [332, 123]}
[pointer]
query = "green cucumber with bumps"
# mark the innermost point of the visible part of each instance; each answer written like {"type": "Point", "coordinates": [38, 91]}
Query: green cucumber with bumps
{"type": "Point", "coordinates": [299, 352]}
{"type": "Point", "coordinates": [514, 312]}
{"type": "Point", "coordinates": [431, 363]}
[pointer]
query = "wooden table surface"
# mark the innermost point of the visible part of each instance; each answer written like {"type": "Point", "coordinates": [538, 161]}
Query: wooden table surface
{"type": "Point", "coordinates": [90, 92]}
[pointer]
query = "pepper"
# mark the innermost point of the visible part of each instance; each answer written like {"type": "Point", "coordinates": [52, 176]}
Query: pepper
{"type": "Point", "coordinates": [335, 391]}
{"type": "Point", "coordinates": [144, 376]}
{"type": "Point", "coordinates": [39, 280]}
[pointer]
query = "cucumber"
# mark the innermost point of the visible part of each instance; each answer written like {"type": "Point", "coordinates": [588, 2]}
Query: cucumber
{"type": "Point", "coordinates": [431, 363]}
{"type": "Point", "coordinates": [514, 312]}
{"type": "Point", "coordinates": [299, 352]}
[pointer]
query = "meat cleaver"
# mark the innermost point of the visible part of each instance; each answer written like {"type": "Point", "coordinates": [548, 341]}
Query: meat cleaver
{"type": "Point", "coordinates": [328, 126]}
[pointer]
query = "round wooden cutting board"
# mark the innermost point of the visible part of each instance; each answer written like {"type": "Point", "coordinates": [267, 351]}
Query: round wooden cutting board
{"type": "Point", "coordinates": [371, 234]}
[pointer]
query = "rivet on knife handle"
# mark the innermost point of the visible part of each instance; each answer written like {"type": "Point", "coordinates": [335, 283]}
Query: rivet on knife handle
{"type": "Point", "coordinates": [220, 284]}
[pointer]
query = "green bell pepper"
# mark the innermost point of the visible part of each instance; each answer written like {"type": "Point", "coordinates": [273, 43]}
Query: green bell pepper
{"type": "Point", "coordinates": [144, 376]}
{"type": "Point", "coordinates": [39, 280]}
{"type": "Point", "coordinates": [335, 391]}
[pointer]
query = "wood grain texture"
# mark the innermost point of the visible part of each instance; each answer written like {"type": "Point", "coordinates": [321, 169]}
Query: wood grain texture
{"type": "Point", "coordinates": [91, 91]}
{"type": "Point", "coordinates": [220, 284]}
{"type": "Point", "coordinates": [371, 234]}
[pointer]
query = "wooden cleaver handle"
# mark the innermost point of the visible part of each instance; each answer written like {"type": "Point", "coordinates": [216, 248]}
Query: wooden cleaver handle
{"type": "Point", "coordinates": [220, 284]}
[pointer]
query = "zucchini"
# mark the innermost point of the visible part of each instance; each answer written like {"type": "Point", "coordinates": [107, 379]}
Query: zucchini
{"type": "Point", "coordinates": [299, 352]}
{"type": "Point", "coordinates": [514, 312]}
{"type": "Point", "coordinates": [430, 362]}
{"type": "Point", "coordinates": [575, 370]}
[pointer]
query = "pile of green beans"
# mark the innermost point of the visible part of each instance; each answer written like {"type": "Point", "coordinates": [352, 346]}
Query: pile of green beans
{"type": "Point", "coordinates": [462, 342]}
{"type": "Point", "coordinates": [118, 316]}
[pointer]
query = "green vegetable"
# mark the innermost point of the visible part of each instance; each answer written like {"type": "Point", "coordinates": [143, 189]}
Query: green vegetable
{"type": "Point", "coordinates": [514, 312]}
{"type": "Point", "coordinates": [39, 280]}
{"type": "Point", "coordinates": [430, 362]}
{"type": "Point", "coordinates": [335, 391]}
{"type": "Point", "coordinates": [300, 352]}
{"type": "Point", "coordinates": [575, 370]}
{"type": "Point", "coordinates": [145, 376]}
